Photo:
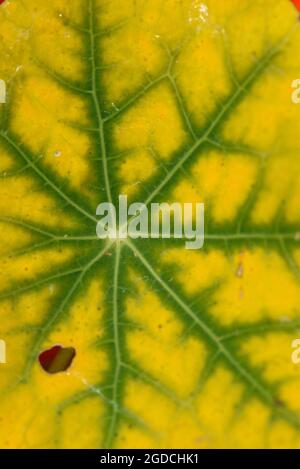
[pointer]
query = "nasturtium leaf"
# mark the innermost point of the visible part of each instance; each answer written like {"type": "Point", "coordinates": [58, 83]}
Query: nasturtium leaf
{"type": "Point", "coordinates": [165, 101]}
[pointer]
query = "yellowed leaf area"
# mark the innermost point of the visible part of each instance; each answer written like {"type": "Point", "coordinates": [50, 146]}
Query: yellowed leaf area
{"type": "Point", "coordinates": [163, 100]}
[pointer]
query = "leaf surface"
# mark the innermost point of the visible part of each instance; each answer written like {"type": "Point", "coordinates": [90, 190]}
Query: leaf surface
{"type": "Point", "coordinates": [164, 101]}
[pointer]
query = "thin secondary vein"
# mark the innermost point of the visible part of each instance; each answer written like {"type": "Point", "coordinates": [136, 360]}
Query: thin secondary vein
{"type": "Point", "coordinates": [45, 178]}
{"type": "Point", "coordinates": [116, 341]}
{"type": "Point", "coordinates": [100, 121]}
{"type": "Point", "coordinates": [260, 66]}
{"type": "Point", "coordinates": [29, 287]}
{"type": "Point", "coordinates": [53, 318]}
{"type": "Point", "coordinates": [208, 332]}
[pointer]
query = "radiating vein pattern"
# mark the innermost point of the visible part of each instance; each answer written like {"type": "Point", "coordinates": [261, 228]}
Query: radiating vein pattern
{"type": "Point", "coordinates": [163, 101]}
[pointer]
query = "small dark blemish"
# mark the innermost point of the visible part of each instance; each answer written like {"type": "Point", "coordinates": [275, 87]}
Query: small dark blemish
{"type": "Point", "coordinates": [56, 359]}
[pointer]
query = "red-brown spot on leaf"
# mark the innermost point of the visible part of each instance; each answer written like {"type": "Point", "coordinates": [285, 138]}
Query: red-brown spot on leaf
{"type": "Point", "coordinates": [56, 359]}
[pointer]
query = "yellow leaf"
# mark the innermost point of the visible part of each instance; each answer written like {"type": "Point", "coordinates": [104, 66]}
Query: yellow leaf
{"type": "Point", "coordinates": [165, 101]}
